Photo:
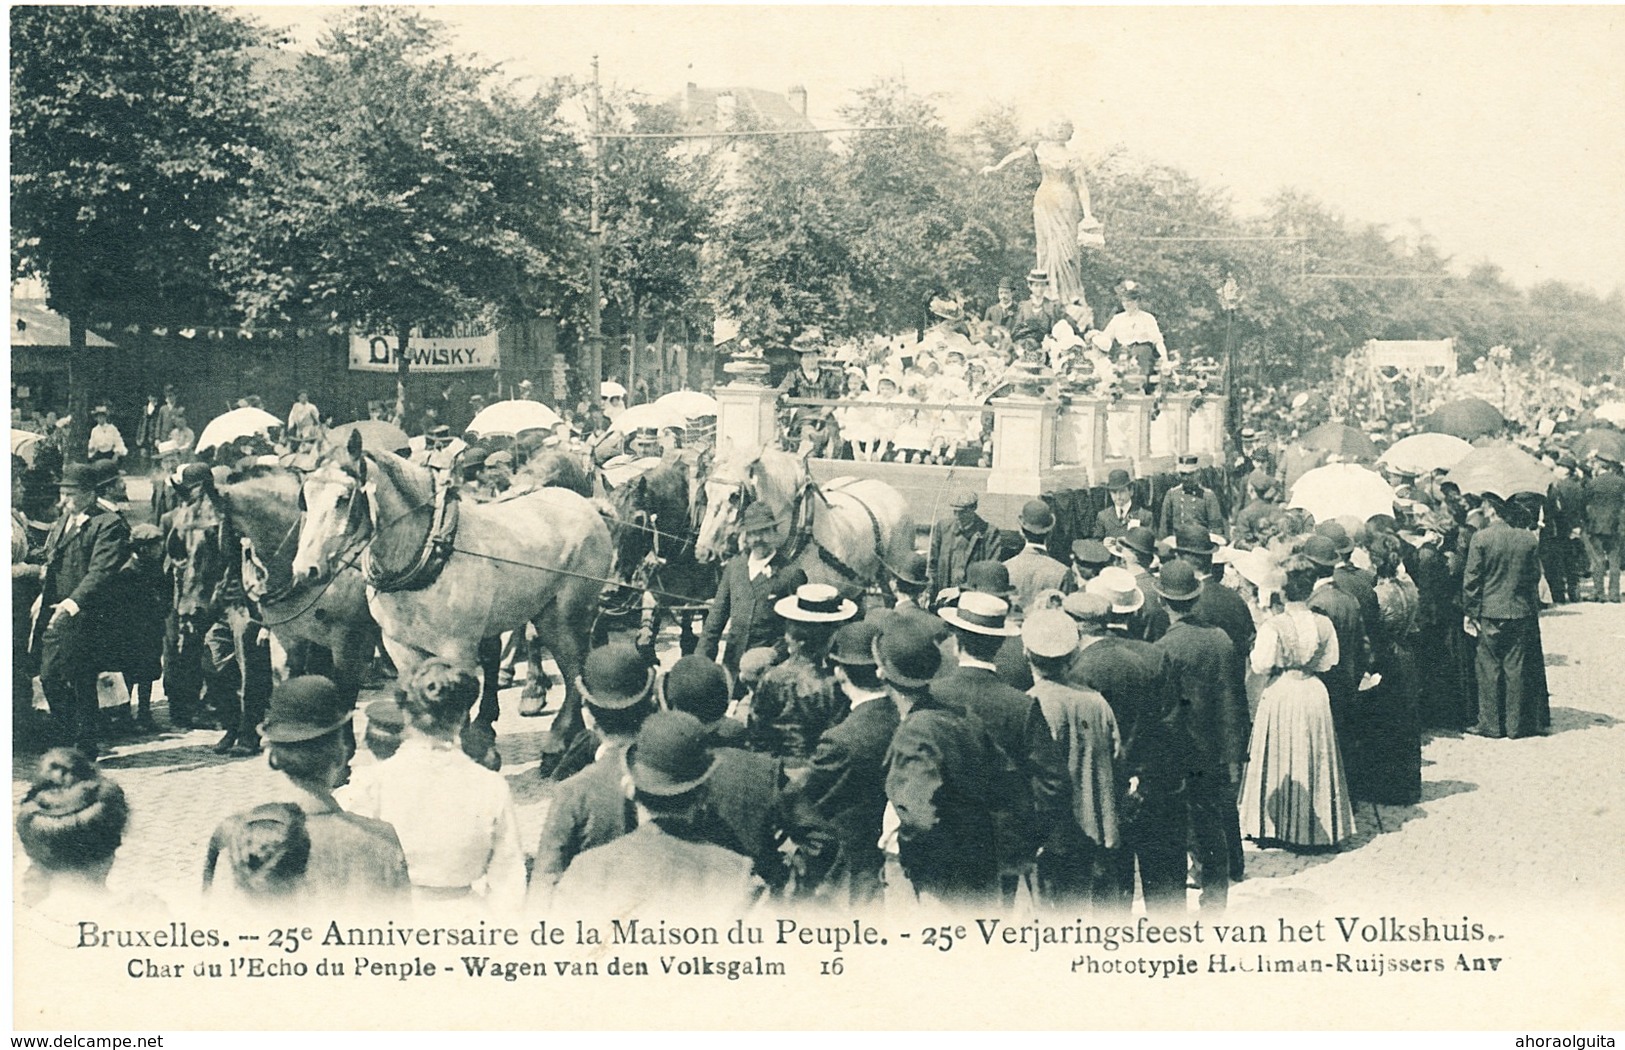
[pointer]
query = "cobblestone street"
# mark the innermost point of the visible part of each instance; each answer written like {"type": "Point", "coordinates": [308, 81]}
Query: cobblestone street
{"type": "Point", "coordinates": [1531, 819]}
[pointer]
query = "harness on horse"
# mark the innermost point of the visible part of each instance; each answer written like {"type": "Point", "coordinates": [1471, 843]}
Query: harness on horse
{"type": "Point", "coordinates": [801, 531]}
{"type": "Point", "coordinates": [431, 558]}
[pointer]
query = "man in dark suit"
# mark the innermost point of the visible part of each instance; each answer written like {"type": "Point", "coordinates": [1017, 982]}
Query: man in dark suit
{"type": "Point", "coordinates": [78, 616]}
{"type": "Point", "coordinates": [1017, 725]}
{"type": "Point", "coordinates": [591, 808]}
{"type": "Point", "coordinates": [1219, 606]}
{"type": "Point", "coordinates": [1191, 503]}
{"type": "Point", "coordinates": [1353, 653]}
{"type": "Point", "coordinates": [1359, 584]}
{"type": "Point", "coordinates": [1124, 513]}
{"type": "Point", "coordinates": [839, 807]}
{"type": "Point", "coordinates": [1605, 527]}
{"type": "Point", "coordinates": [957, 542]}
{"type": "Point", "coordinates": [1034, 570]}
{"type": "Point", "coordinates": [1500, 589]}
{"type": "Point", "coordinates": [1562, 523]}
{"type": "Point", "coordinates": [1213, 736]}
{"type": "Point", "coordinates": [1137, 550]}
{"type": "Point", "coordinates": [742, 613]}
{"type": "Point", "coordinates": [944, 781]}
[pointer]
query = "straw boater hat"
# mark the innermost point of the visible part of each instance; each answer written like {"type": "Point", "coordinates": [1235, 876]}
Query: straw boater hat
{"type": "Point", "coordinates": [1118, 586]}
{"type": "Point", "coordinates": [816, 603]}
{"type": "Point", "coordinates": [1049, 633]}
{"type": "Point", "coordinates": [980, 613]}
{"type": "Point", "coordinates": [1087, 607]}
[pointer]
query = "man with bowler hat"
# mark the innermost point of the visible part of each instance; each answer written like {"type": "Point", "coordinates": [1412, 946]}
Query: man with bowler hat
{"type": "Point", "coordinates": [1342, 682]}
{"type": "Point", "coordinates": [666, 866]}
{"type": "Point", "coordinates": [1137, 551]}
{"type": "Point", "coordinates": [1214, 730]}
{"type": "Point", "coordinates": [741, 615]}
{"type": "Point", "coordinates": [1039, 796]}
{"type": "Point", "coordinates": [1124, 513]}
{"type": "Point", "coordinates": [944, 781]}
{"type": "Point", "coordinates": [84, 552]}
{"type": "Point", "coordinates": [1500, 589]}
{"type": "Point", "coordinates": [958, 541]}
{"type": "Point", "coordinates": [590, 809]}
{"type": "Point", "coordinates": [839, 807]}
{"type": "Point", "coordinates": [1033, 570]}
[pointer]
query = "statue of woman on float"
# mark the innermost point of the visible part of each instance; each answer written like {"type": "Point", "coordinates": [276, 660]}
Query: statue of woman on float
{"type": "Point", "coordinates": [1062, 218]}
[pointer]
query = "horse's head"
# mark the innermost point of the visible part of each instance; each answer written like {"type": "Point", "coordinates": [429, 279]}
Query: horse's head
{"type": "Point", "coordinates": [197, 558]}
{"type": "Point", "coordinates": [337, 509]}
{"type": "Point", "coordinates": [727, 488]}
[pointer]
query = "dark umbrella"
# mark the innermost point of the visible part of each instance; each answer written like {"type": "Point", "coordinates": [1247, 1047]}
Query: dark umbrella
{"type": "Point", "coordinates": [376, 436]}
{"type": "Point", "coordinates": [1502, 469]}
{"type": "Point", "coordinates": [1340, 440]}
{"type": "Point", "coordinates": [1468, 418]}
{"type": "Point", "coordinates": [1611, 442]}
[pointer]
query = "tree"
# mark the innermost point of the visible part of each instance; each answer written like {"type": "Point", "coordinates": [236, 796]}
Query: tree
{"type": "Point", "coordinates": [133, 131]}
{"type": "Point", "coordinates": [408, 190]}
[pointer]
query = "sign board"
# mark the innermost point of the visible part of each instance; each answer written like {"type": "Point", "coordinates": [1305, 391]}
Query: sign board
{"type": "Point", "coordinates": [1413, 355]}
{"type": "Point", "coordinates": [473, 351]}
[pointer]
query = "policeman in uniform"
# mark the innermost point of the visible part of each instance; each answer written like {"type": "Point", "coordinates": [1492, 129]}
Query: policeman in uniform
{"type": "Point", "coordinates": [1191, 504]}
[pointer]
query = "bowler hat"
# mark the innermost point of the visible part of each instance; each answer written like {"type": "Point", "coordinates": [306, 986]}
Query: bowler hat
{"type": "Point", "coordinates": [615, 677]}
{"type": "Point", "coordinates": [758, 518]}
{"type": "Point", "coordinates": [1036, 517]}
{"type": "Point", "coordinates": [1194, 539]}
{"type": "Point", "coordinates": [1087, 607]}
{"type": "Point", "coordinates": [304, 708]}
{"type": "Point", "coordinates": [912, 570]}
{"type": "Point", "coordinates": [1049, 633]}
{"type": "Point", "coordinates": [698, 686]}
{"type": "Point", "coordinates": [980, 613]}
{"type": "Point", "coordinates": [79, 476]}
{"type": "Point", "coordinates": [1259, 481]}
{"type": "Point", "coordinates": [853, 644]}
{"type": "Point", "coordinates": [816, 603]}
{"type": "Point", "coordinates": [104, 472]}
{"type": "Point", "coordinates": [1335, 532]}
{"type": "Point", "coordinates": [961, 499]}
{"type": "Point", "coordinates": [670, 756]}
{"type": "Point", "coordinates": [1141, 540]}
{"type": "Point", "coordinates": [1187, 464]}
{"type": "Point", "coordinates": [474, 456]}
{"type": "Point", "coordinates": [906, 655]}
{"type": "Point", "coordinates": [1090, 552]}
{"type": "Point", "coordinates": [1320, 550]}
{"type": "Point", "coordinates": [1119, 479]}
{"type": "Point", "coordinates": [988, 577]}
{"type": "Point", "coordinates": [1118, 586]}
{"type": "Point", "coordinates": [1177, 582]}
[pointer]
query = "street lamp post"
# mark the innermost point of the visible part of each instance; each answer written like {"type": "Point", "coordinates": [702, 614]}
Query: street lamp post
{"type": "Point", "coordinates": [1230, 296]}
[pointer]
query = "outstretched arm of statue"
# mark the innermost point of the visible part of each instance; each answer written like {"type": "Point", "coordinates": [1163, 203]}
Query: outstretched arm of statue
{"type": "Point", "coordinates": [1009, 159]}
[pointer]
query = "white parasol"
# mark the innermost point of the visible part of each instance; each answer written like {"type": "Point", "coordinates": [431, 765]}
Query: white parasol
{"type": "Point", "coordinates": [239, 422]}
{"type": "Point", "coordinates": [653, 416]}
{"type": "Point", "coordinates": [1343, 489]}
{"type": "Point", "coordinates": [512, 418]}
{"type": "Point", "coordinates": [1424, 453]}
{"type": "Point", "coordinates": [691, 403]}
{"type": "Point", "coordinates": [24, 444]}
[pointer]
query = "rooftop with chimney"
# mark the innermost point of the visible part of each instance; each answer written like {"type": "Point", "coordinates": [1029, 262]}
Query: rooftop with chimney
{"type": "Point", "coordinates": [742, 109]}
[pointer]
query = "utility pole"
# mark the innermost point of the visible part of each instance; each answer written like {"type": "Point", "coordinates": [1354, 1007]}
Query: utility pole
{"type": "Point", "coordinates": [595, 254]}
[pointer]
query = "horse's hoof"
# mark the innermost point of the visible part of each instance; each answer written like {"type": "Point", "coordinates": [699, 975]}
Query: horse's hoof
{"type": "Point", "coordinates": [532, 706]}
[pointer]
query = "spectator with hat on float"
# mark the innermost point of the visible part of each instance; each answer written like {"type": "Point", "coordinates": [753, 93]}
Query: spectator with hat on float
{"type": "Point", "coordinates": [958, 541]}
{"type": "Point", "coordinates": [105, 440]}
{"type": "Point", "coordinates": [1033, 569]}
{"type": "Point", "coordinates": [945, 781]}
{"type": "Point", "coordinates": [455, 819]}
{"type": "Point", "coordinates": [1213, 724]}
{"type": "Point", "coordinates": [666, 866]}
{"type": "Point", "coordinates": [1135, 332]}
{"type": "Point", "coordinates": [797, 699]}
{"type": "Point", "coordinates": [1076, 863]}
{"type": "Point", "coordinates": [1192, 503]}
{"type": "Point", "coordinates": [1123, 513]}
{"type": "Point", "coordinates": [303, 848]}
{"type": "Point", "coordinates": [839, 807]}
{"type": "Point", "coordinates": [590, 808]}
{"type": "Point", "coordinates": [1039, 793]}
{"type": "Point", "coordinates": [742, 617]}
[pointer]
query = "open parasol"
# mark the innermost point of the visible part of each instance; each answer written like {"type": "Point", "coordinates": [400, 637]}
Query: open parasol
{"type": "Point", "coordinates": [653, 416]}
{"type": "Point", "coordinates": [1423, 453]}
{"type": "Point", "coordinates": [512, 418]}
{"type": "Point", "coordinates": [610, 388]}
{"type": "Point", "coordinates": [1611, 442]}
{"type": "Point", "coordinates": [691, 403]}
{"type": "Point", "coordinates": [1339, 439]}
{"type": "Point", "coordinates": [239, 422]}
{"type": "Point", "coordinates": [1503, 470]}
{"type": "Point", "coordinates": [1613, 412]}
{"type": "Point", "coordinates": [1340, 489]}
{"type": "Point", "coordinates": [377, 435]}
{"type": "Point", "coordinates": [24, 444]}
{"type": "Point", "coordinates": [1468, 418]}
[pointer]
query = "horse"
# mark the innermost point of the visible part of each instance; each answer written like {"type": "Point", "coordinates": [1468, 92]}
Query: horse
{"type": "Point", "coordinates": [845, 533]}
{"type": "Point", "coordinates": [442, 575]}
{"type": "Point", "coordinates": [262, 504]}
{"type": "Point", "coordinates": [654, 533]}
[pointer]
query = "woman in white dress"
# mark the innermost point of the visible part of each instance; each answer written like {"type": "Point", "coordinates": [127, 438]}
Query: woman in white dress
{"type": "Point", "coordinates": [1294, 793]}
